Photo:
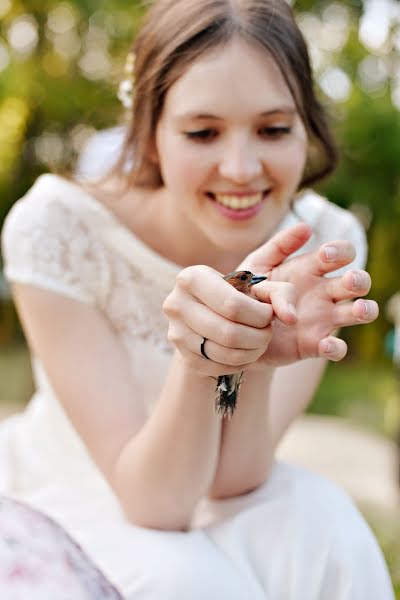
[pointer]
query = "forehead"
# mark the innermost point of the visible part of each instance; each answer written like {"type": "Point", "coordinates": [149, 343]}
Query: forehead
{"type": "Point", "coordinates": [236, 75]}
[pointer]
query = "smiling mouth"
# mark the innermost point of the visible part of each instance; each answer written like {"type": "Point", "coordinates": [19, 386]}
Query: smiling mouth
{"type": "Point", "coordinates": [238, 202]}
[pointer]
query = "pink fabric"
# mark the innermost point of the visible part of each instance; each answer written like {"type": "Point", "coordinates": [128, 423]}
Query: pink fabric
{"type": "Point", "coordinates": [39, 560]}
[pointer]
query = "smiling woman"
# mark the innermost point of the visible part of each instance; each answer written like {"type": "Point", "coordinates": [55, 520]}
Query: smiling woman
{"type": "Point", "coordinates": [121, 292]}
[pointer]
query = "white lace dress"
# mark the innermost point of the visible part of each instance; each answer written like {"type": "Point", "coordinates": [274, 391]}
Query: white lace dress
{"type": "Point", "coordinates": [296, 538]}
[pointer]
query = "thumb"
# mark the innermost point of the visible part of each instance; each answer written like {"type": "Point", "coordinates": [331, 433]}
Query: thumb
{"type": "Point", "coordinates": [277, 249]}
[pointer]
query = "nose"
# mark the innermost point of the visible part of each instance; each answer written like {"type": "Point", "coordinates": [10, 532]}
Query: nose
{"type": "Point", "coordinates": [241, 163]}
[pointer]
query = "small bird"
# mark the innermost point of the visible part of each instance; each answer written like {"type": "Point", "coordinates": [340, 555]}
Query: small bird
{"type": "Point", "coordinates": [227, 389]}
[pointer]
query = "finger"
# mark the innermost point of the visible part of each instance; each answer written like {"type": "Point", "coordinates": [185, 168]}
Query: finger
{"type": "Point", "coordinates": [189, 346]}
{"type": "Point", "coordinates": [185, 339]}
{"type": "Point", "coordinates": [209, 367]}
{"type": "Point", "coordinates": [224, 332]}
{"type": "Point", "coordinates": [230, 356]}
{"type": "Point", "coordinates": [332, 348]}
{"type": "Point", "coordinates": [283, 298]}
{"type": "Point", "coordinates": [353, 283]}
{"type": "Point", "coordinates": [353, 313]}
{"type": "Point", "coordinates": [277, 249]}
{"type": "Point", "coordinates": [212, 290]}
{"type": "Point", "coordinates": [334, 255]}
{"type": "Point", "coordinates": [329, 257]}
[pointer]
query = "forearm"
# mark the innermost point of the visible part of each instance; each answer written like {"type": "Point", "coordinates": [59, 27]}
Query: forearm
{"type": "Point", "coordinates": [292, 390]}
{"type": "Point", "coordinates": [246, 452]}
{"type": "Point", "coordinates": [169, 465]}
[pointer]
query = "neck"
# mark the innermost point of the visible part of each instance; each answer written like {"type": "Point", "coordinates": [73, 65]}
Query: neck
{"type": "Point", "coordinates": [181, 243]}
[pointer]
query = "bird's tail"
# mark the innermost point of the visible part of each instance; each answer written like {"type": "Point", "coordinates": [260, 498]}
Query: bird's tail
{"type": "Point", "coordinates": [227, 391]}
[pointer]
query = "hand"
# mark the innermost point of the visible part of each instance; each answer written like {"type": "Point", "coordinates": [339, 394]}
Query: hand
{"type": "Point", "coordinates": [237, 327]}
{"type": "Point", "coordinates": [324, 303]}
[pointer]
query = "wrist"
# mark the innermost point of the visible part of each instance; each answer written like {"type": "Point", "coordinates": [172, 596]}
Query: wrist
{"type": "Point", "coordinates": [190, 373]}
{"type": "Point", "coordinates": [261, 369]}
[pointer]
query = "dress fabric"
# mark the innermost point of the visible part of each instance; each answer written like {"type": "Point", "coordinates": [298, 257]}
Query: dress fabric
{"type": "Point", "coordinates": [297, 537]}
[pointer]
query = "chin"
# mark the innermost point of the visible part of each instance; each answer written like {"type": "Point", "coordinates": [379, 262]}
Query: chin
{"type": "Point", "coordinates": [241, 245]}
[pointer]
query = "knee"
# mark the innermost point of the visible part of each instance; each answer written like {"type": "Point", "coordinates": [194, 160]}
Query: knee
{"type": "Point", "coordinates": [186, 567]}
{"type": "Point", "coordinates": [327, 510]}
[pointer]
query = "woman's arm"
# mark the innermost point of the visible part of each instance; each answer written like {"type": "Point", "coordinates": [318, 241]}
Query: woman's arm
{"type": "Point", "coordinates": [158, 467]}
{"type": "Point", "coordinates": [270, 400]}
{"type": "Point", "coordinates": [246, 444]}
{"type": "Point", "coordinates": [162, 471]}
{"type": "Point", "coordinates": [162, 465]}
{"type": "Point", "coordinates": [292, 390]}
{"type": "Point", "coordinates": [268, 405]}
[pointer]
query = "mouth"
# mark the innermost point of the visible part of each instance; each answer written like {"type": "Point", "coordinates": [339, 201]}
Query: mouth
{"type": "Point", "coordinates": [239, 202]}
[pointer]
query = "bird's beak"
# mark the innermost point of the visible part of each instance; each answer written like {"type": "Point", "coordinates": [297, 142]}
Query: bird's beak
{"type": "Point", "coordinates": [257, 279]}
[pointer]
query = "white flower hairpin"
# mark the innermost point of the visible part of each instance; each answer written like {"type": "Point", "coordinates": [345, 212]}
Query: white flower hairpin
{"type": "Point", "coordinates": [127, 86]}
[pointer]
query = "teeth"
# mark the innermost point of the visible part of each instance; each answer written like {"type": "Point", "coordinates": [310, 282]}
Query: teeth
{"type": "Point", "coordinates": [239, 203]}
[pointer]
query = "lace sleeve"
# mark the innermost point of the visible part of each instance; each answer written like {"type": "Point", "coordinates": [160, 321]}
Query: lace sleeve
{"type": "Point", "coordinates": [45, 243]}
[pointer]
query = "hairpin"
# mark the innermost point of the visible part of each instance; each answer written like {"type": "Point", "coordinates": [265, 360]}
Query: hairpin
{"type": "Point", "coordinates": [127, 85]}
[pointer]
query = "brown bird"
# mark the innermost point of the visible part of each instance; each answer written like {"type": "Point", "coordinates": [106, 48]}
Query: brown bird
{"type": "Point", "coordinates": [227, 389]}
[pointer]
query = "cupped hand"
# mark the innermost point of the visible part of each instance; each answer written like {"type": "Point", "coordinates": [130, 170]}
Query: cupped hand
{"type": "Point", "coordinates": [324, 304]}
{"type": "Point", "coordinates": [237, 327]}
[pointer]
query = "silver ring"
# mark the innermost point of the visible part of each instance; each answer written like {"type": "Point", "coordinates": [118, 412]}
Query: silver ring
{"type": "Point", "coordinates": [202, 348]}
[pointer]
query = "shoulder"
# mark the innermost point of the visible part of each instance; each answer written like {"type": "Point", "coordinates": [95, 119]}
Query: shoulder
{"type": "Point", "coordinates": [324, 215]}
{"type": "Point", "coordinates": [51, 205]}
{"type": "Point", "coordinates": [50, 190]}
{"type": "Point", "coordinates": [51, 239]}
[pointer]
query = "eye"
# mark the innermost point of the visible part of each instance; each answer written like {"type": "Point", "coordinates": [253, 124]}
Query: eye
{"type": "Point", "coordinates": [243, 277]}
{"type": "Point", "coordinates": [275, 132]}
{"type": "Point", "coordinates": [202, 135]}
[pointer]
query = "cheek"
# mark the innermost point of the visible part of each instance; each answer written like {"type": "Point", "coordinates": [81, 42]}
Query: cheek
{"type": "Point", "coordinates": [295, 165]}
{"type": "Point", "coordinates": [289, 163]}
{"type": "Point", "coordinates": [183, 168]}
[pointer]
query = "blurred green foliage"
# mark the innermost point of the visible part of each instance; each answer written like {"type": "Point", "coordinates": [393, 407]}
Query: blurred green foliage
{"type": "Point", "coordinates": [367, 397]}
{"type": "Point", "coordinates": [61, 62]}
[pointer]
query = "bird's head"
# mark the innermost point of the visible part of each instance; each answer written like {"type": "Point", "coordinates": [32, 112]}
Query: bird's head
{"type": "Point", "coordinates": [243, 280]}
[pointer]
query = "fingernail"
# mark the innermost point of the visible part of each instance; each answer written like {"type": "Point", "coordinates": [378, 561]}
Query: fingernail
{"type": "Point", "coordinates": [328, 347]}
{"type": "Point", "coordinates": [292, 309]}
{"type": "Point", "coordinates": [357, 280]}
{"type": "Point", "coordinates": [366, 309]}
{"type": "Point", "coordinates": [331, 252]}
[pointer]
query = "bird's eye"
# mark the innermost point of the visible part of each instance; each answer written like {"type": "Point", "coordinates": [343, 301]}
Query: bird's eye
{"type": "Point", "coordinates": [243, 277]}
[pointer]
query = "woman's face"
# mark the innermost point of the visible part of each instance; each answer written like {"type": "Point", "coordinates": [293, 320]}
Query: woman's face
{"type": "Point", "coordinates": [231, 148]}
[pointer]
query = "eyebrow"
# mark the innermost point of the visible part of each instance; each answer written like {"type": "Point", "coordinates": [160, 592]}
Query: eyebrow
{"type": "Point", "coordinates": [267, 113]}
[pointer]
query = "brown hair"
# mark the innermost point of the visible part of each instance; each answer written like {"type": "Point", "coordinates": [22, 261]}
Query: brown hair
{"type": "Point", "coordinates": [176, 32]}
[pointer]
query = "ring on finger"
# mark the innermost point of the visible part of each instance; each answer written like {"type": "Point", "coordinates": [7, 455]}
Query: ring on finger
{"type": "Point", "coordinates": [202, 348]}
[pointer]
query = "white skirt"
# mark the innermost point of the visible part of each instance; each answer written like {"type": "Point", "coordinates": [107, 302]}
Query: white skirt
{"type": "Point", "coordinates": [298, 537]}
